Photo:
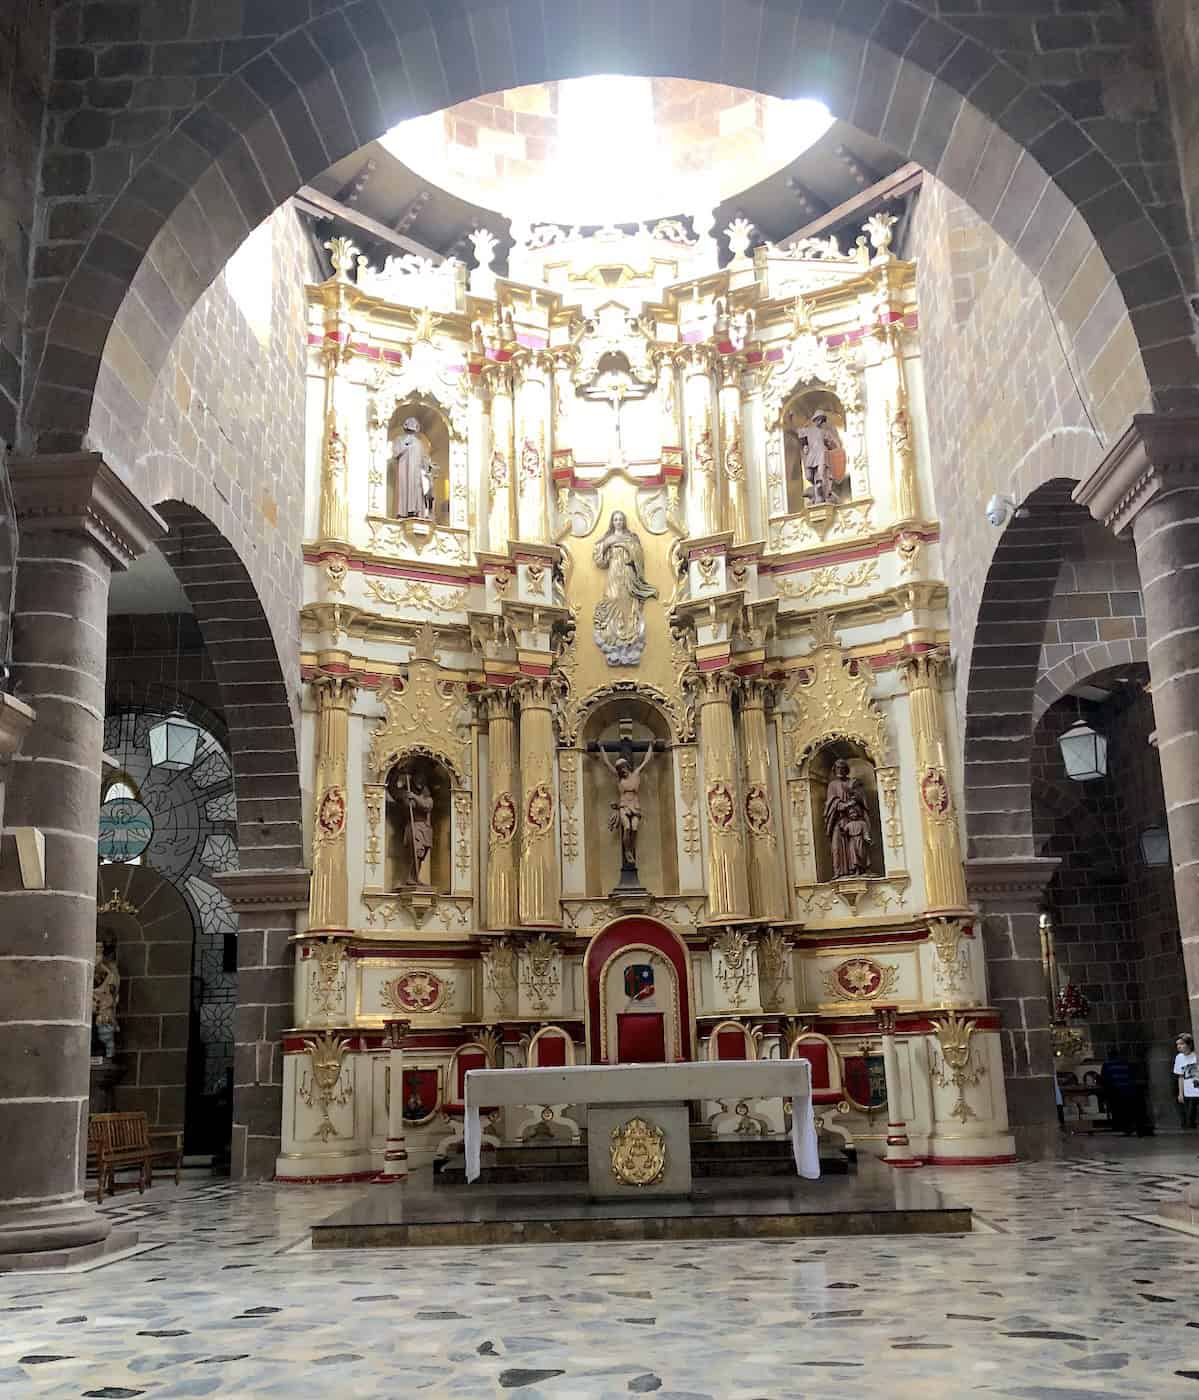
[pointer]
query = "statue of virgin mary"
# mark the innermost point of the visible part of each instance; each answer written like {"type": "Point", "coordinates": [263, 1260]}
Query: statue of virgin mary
{"type": "Point", "coordinates": [619, 623]}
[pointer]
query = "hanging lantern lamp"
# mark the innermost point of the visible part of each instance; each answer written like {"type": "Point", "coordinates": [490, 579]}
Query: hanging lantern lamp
{"type": "Point", "coordinates": [1084, 752]}
{"type": "Point", "coordinates": [173, 743]}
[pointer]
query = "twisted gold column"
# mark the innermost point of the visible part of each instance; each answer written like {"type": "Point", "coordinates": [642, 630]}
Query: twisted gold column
{"type": "Point", "coordinates": [540, 879]}
{"type": "Point", "coordinates": [944, 878]}
{"type": "Point", "coordinates": [766, 895]}
{"type": "Point", "coordinates": [502, 825]}
{"type": "Point", "coordinates": [329, 900]}
{"type": "Point", "coordinates": [728, 890]}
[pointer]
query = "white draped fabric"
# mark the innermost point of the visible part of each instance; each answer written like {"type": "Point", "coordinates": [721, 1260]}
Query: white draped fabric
{"type": "Point", "coordinates": [714, 1081]}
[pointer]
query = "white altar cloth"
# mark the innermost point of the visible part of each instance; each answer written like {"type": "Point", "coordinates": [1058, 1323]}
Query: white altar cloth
{"type": "Point", "coordinates": [712, 1080]}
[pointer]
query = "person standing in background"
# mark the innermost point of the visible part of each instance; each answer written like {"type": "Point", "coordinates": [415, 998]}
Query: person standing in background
{"type": "Point", "coordinates": [1186, 1073]}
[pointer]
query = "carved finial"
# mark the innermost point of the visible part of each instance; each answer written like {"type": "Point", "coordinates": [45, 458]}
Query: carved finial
{"type": "Point", "coordinates": [423, 647]}
{"type": "Point", "coordinates": [879, 227]}
{"type": "Point", "coordinates": [739, 233]}
{"type": "Point", "coordinates": [426, 324]}
{"type": "Point", "coordinates": [823, 632]}
{"type": "Point", "coordinates": [484, 243]}
{"type": "Point", "coordinates": [801, 320]}
{"type": "Point", "coordinates": [342, 252]}
{"type": "Point", "coordinates": [116, 903]}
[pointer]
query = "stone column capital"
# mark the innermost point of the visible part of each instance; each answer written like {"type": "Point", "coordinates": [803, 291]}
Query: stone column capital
{"type": "Point", "coordinates": [78, 493]}
{"type": "Point", "coordinates": [1155, 453]}
{"type": "Point", "coordinates": [264, 889]}
{"type": "Point", "coordinates": [1011, 882]}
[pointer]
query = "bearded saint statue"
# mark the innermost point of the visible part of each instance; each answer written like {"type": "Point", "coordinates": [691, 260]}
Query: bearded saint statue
{"type": "Point", "coordinates": [619, 622]}
{"type": "Point", "coordinates": [847, 823]}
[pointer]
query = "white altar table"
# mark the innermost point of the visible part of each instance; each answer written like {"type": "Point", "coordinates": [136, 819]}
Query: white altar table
{"type": "Point", "coordinates": [634, 1085]}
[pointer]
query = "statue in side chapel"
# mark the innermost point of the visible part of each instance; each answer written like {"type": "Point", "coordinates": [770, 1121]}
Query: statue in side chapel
{"type": "Point", "coordinates": [414, 472]}
{"type": "Point", "coordinates": [106, 984]}
{"type": "Point", "coordinates": [823, 459]}
{"type": "Point", "coordinates": [619, 622]}
{"type": "Point", "coordinates": [415, 804]}
{"type": "Point", "coordinates": [847, 823]}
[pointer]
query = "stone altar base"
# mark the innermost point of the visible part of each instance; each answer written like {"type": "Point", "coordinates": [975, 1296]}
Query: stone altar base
{"type": "Point", "coordinates": [871, 1201]}
{"type": "Point", "coordinates": [668, 1122]}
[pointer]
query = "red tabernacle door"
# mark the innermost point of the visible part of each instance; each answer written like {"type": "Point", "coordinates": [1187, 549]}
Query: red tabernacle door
{"type": "Point", "coordinates": [641, 1038]}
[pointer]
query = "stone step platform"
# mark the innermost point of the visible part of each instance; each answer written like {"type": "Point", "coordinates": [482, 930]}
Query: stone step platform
{"type": "Point", "coordinates": [728, 1157]}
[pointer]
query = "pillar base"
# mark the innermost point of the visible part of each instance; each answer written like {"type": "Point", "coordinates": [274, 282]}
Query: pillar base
{"type": "Point", "coordinates": [51, 1232]}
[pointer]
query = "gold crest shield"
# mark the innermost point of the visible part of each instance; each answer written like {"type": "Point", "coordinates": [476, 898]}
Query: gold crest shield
{"type": "Point", "coordinates": [638, 1153]}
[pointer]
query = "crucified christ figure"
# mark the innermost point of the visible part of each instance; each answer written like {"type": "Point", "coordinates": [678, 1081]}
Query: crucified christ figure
{"type": "Point", "coordinates": [626, 810]}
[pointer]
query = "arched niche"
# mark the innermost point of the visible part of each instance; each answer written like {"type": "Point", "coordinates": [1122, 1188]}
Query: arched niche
{"type": "Point", "coordinates": [421, 775]}
{"type": "Point", "coordinates": [798, 414]}
{"type": "Point", "coordinates": [821, 770]}
{"type": "Point", "coordinates": [657, 850]}
{"type": "Point", "coordinates": [436, 429]}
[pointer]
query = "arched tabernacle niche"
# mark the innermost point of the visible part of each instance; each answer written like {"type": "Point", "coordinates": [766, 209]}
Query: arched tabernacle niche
{"type": "Point", "coordinates": [659, 942]}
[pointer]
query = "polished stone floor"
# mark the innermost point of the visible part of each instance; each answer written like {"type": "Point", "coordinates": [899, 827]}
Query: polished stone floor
{"type": "Point", "coordinates": [1072, 1292]}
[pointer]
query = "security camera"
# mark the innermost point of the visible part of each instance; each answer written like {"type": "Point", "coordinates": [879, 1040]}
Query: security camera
{"type": "Point", "coordinates": [1000, 510]}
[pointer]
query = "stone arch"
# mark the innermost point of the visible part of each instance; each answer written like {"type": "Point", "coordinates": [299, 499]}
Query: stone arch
{"type": "Point", "coordinates": [303, 100]}
{"type": "Point", "coordinates": [260, 723]}
{"type": "Point", "coordinates": [1004, 666]}
{"type": "Point", "coordinates": [1085, 665]}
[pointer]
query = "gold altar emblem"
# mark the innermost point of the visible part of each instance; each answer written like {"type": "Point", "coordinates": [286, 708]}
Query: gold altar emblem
{"type": "Point", "coordinates": [638, 1153]}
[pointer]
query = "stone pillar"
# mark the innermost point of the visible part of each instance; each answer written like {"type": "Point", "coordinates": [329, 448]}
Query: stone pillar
{"type": "Point", "coordinates": [728, 888]}
{"type": "Point", "coordinates": [732, 452]}
{"type": "Point", "coordinates": [503, 824]}
{"type": "Point", "coordinates": [1149, 483]}
{"type": "Point", "coordinates": [395, 1155]}
{"type": "Point", "coordinates": [766, 893]}
{"type": "Point", "coordinates": [1008, 893]}
{"type": "Point", "coordinates": [79, 522]}
{"type": "Point", "coordinates": [532, 452]}
{"type": "Point", "coordinates": [702, 514]}
{"type": "Point", "coordinates": [267, 902]}
{"type": "Point", "coordinates": [499, 471]}
{"type": "Point", "coordinates": [899, 1150]}
{"type": "Point", "coordinates": [540, 883]}
{"type": "Point", "coordinates": [944, 882]}
{"type": "Point", "coordinates": [329, 902]}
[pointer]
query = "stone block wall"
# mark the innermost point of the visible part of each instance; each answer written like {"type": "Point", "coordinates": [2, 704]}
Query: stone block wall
{"type": "Point", "coordinates": [158, 658]}
{"type": "Point", "coordinates": [225, 431]}
{"type": "Point", "coordinates": [24, 80]}
{"type": "Point", "coordinates": [1178, 41]}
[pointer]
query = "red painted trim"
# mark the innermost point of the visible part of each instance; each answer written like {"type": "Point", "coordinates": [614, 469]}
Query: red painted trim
{"type": "Point", "coordinates": [842, 940]}
{"type": "Point", "coordinates": [636, 929]}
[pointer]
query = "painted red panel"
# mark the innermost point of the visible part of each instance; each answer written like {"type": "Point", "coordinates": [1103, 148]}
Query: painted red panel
{"type": "Point", "coordinates": [641, 1038]}
{"type": "Point", "coordinates": [469, 1059]}
{"type": "Point", "coordinates": [816, 1054]}
{"type": "Point", "coordinates": [623, 932]}
{"type": "Point", "coordinates": [551, 1051]}
{"type": "Point", "coordinates": [730, 1045]}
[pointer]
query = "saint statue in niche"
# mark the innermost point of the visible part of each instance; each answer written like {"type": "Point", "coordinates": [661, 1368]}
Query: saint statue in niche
{"type": "Point", "coordinates": [106, 985]}
{"type": "Point", "coordinates": [413, 472]}
{"type": "Point", "coordinates": [619, 623]}
{"type": "Point", "coordinates": [847, 823]}
{"type": "Point", "coordinates": [823, 459]}
{"type": "Point", "coordinates": [414, 803]}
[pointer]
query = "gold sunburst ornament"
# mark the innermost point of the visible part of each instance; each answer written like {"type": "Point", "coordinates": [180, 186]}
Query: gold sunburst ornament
{"type": "Point", "coordinates": [638, 1153]}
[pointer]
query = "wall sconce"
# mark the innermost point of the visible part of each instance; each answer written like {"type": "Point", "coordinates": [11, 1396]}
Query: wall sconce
{"type": "Point", "coordinates": [1155, 846]}
{"type": "Point", "coordinates": [1084, 752]}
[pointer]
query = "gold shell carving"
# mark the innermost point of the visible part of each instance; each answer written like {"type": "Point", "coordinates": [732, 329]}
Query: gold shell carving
{"type": "Point", "coordinates": [638, 1153]}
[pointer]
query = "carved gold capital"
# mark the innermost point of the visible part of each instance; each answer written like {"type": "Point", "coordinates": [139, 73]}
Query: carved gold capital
{"type": "Point", "coordinates": [334, 692]}
{"type": "Point", "coordinates": [924, 670]}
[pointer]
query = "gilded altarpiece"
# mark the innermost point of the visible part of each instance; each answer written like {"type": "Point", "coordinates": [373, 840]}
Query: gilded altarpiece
{"type": "Point", "coordinates": [624, 631]}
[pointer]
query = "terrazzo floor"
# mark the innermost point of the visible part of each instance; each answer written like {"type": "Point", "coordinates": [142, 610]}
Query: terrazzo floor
{"type": "Point", "coordinates": [1069, 1294]}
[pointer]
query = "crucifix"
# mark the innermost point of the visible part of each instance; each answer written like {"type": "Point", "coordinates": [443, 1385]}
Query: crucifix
{"type": "Point", "coordinates": [616, 391]}
{"type": "Point", "coordinates": [626, 810]}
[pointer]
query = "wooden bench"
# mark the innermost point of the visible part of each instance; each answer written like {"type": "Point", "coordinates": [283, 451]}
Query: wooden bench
{"type": "Point", "coordinates": [123, 1141]}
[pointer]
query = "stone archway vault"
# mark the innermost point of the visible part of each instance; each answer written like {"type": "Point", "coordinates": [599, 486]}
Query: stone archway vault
{"type": "Point", "coordinates": [303, 99]}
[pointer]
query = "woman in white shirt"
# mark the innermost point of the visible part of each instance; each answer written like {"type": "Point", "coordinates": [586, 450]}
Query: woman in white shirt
{"type": "Point", "coordinates": [1186, 1071]}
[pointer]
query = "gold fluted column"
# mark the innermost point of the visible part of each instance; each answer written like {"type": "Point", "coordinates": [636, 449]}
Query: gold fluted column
{"type": "Point", "coordinates": [503, 826]}
{"type": "Point", "coordinates": [732, 452]}
{"type": "Point", "coordinates": [766, 895]}
{"type": "Point", "coordinates": [728, 889]}
{"type": "Point", "coordinates": [329, 900]}
{"type": "Point", "coordinates": [532, 451]}
{"type": "Point", "coordinates": [540, 879]}
{"type": "Point", "coordinates": [336, 294]}
{"type": "Point", "coordinates": [944, 878]}
{"type": "Point", "coordinates": [702, 514]}
{"type": "Point", "coordinates": [499, 468]}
